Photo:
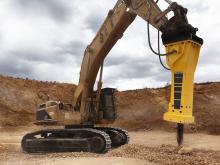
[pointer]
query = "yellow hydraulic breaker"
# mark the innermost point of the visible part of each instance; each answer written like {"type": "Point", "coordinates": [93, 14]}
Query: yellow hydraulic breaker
{"type": "Point", "coordinates": [182, 53]}
{"type": "Point", "coordinates": [182, 64]}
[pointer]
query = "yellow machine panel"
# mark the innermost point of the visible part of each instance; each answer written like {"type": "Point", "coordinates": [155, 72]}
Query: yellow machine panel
{"type": "Point", "coordinates": [182, 64]}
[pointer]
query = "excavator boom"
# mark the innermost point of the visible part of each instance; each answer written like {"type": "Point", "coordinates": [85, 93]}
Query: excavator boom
{"type": "Point", "coordinates": [116, 23]}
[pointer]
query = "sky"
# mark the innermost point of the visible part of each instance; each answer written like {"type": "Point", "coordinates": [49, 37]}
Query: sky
{"type": "Point", "coordinates": [45, 40]}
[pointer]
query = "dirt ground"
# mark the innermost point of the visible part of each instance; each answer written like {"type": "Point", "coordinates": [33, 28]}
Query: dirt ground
{"type": "Point", "coordinates": [147, 147]}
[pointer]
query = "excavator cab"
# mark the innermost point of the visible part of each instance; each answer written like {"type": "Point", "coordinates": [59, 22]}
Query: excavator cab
{"type": "Point", "coordinates": [57, 112]}
{"type": "Point", "coordinates": [46, 112]}
{"type": "Point", "coordinates": [54, 113]}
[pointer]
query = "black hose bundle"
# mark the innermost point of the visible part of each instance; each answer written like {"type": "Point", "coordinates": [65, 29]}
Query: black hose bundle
{"type": "Point", "coordinates": [157, 53]}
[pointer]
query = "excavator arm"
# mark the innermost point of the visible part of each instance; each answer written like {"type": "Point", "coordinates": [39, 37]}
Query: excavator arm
{"type": "Point", "coordinates": [117, 21]}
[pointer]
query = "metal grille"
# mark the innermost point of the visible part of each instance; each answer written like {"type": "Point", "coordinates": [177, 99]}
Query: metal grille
{"type": "Point", "coordinates": [178, 80]}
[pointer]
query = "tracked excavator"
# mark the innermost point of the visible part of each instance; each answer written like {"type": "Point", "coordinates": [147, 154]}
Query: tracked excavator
{"type": "Point", "coordinates": [90, 108]}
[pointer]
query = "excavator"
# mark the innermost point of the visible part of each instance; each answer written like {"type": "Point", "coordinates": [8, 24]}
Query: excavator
{"type": "Point", "coordinates": [91, 108]}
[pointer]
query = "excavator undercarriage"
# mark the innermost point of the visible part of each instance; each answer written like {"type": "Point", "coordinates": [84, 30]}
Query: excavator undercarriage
{"type": "Point", "coordinates": [76, 139]}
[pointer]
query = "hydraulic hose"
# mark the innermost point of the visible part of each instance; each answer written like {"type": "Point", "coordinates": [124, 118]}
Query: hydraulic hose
{"type": "Point", "coordinates": [158, 40]}
{"type": "Point", "coordinates": [149, 42]}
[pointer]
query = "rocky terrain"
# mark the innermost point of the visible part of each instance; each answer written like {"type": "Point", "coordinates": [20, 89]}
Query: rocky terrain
{"type": "Point", "coordinates": [137, 109]}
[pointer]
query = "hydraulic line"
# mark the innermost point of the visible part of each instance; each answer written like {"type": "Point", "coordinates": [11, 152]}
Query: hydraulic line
{"type": "Point", "coordinates": [161, 62]}
{"type": "Point", "coordinates": [157, 53]}
{"type": "Point", "coordinates": [151, 48]}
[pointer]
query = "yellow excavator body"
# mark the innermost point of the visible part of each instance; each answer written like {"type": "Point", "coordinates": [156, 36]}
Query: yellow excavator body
{"type": "Point", "coordinates": [90, 108]}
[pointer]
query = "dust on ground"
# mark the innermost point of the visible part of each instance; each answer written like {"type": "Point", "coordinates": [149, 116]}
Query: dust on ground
{"type": "Point", "coordinates": [146, 147]}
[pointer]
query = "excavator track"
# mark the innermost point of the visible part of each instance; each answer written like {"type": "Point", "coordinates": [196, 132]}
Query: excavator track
{"type": "Point", "coordinates": [66, 140]}
{"type": "Point", "coordinates": [118, 136]}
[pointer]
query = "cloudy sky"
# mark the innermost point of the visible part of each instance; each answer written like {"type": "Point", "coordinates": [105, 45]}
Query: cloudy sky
{"type": "Point", "coordinates": [45, 40]}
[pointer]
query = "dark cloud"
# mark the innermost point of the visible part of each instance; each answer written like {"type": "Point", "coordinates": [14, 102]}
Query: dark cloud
{"type": "Point", "coordinates": [24, 62]}
{"type": "Point", "coordinates": [17, 67]}
{"type": "Point", "coordinates": [138, 68]}
{"type": "Point", "coordinates": [135, 68]}
{"type": "Point", "coordinates": [94, 21]}
{"type": "Point", "coordinates": [162, 75]}
{"type": "Point", "coordinates": [115, 61]}
{"type": "Point", "coordinates": [131, 67]}
{"type": "Point", "coordinates": [75, 48]}
{"type": "Point", "coordinates": [34, 56]}
{"type": "Point", "coordinates": [56, 9]}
